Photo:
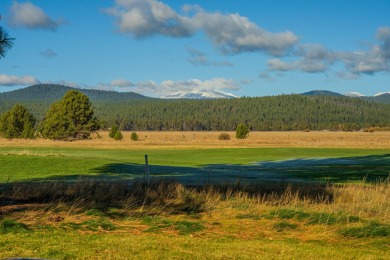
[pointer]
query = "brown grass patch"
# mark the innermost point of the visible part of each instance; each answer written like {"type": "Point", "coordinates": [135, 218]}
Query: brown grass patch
{"type": "Point", "coordinates": [186, 140]}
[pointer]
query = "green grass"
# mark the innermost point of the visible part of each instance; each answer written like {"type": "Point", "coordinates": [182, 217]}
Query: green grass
{"type": "Point", "coordinates": [312, 218]}
{"type": "Point", "coordinates": [12, 226]}
{"type": "Point", "coordinates": [372, 229]}
{"type": "Point", "coordinates": [196, 165]}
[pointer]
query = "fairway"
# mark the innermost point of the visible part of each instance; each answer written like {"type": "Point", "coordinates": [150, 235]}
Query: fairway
{"type": "Point", "coordinates": [195, 166]}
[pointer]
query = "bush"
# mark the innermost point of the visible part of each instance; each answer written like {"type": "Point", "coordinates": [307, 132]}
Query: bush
{"type": "Point", "coordinates": [242, 131]}
{"type": "Point", "coordinates": [134, 136]}
{"type": "Point", "coordinates": [224, 136]}
{"type": "Point", "coordinates": [118, 135]}
{"type": "Point", "coordinates": [113, 130]}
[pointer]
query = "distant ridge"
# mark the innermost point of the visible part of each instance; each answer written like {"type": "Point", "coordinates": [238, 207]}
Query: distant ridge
{"type": "Point", "coordinates": [51, 92]}
{"type": "Point", "coordinates": [321, 93]}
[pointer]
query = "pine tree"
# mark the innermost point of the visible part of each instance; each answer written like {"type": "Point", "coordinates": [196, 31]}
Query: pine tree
{"type": "Point", "coordinates": [17, 123]}
{"type": "Point", "coordinates": [71, 118]}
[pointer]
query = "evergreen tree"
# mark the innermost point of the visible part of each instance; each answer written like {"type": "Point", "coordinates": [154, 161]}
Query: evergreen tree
{"type": "Point", "coordinates": [71, 118]}
{"type": "Point", "coordinates": [5, 42]}
{"type": "Point", "coordinates": [114, 129]}
{"type": "Point", "coordinates": [242, 131]}
{"type": "Point", "coordinates": [17, 123]}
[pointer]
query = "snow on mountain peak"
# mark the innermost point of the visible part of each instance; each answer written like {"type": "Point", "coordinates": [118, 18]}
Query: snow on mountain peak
{"type": "Point", "coordinates": [200, 94]}
{"type": "Point", "coordinates": [381, 93]}
{"type": "Point", "coordinates": [354, 94]}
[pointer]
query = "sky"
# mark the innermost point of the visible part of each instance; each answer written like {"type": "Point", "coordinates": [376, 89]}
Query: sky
{"type": "Point", "coordinates": [156, 48]}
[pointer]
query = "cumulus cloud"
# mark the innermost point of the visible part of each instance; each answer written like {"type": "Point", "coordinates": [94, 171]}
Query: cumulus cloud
{"type": "Point", "coordinates": [199, 58]}
{"type": "Point", "coordinates": [314, 58]}
{"type": "Point", "coordinates": [11, 80]}
{"type": "Point", "coordinates": [143, 18]}
{"type": "Point", "coordinates": [30, 16]}
{"type": "Point", "coordinates": [230, 33]}
{"type": "Point", "coordinates": [167, 87]}
{"type": "Point", "coordinates": [234, 34]}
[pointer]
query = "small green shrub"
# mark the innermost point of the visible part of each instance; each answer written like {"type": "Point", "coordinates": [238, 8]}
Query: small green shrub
{"type": "Point", "coordinates": [113, 130]}
{"type": "Point", "coordinates": [118, 135]}
{"type": "Point", "coordinates": [134, 136]}
{"type": "Point", "coordinates": [242, 131]}
{"type": "Point", "coordinates": [224, 136]}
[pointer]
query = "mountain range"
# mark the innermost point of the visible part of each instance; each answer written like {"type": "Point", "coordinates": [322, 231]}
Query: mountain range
{"type": "Point", "coordinates": [52, 92]}
{"type": "Point", "coordinates": [315, 110]}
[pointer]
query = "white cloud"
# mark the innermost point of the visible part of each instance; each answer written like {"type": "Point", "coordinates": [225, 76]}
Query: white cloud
{"type": "Point", "coordinates": [230, 33]}
{"type": "Point", "coordinates": [143, 18]}
{"type": "Point", "coordinates": [314, 58]}
{"type": "Point", "coordinates": [167, 87]}
{"type": "Point", "coordinates": [11, 80]}
{"type": "Point", "coordinates": [30, 16]}
{"type": "Point", "coordinates": [233, 34]}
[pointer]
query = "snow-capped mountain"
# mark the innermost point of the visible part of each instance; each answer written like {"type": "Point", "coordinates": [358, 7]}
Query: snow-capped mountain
{"type": "Point", "coordinates": [381, 93]}
{"type": "Point", "coordinates": [200, 94]}
{"type": "Point", "coordinates": [354, 94]}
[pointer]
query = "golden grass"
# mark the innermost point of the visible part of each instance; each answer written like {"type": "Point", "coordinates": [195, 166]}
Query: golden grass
{"type": "Point", "coordinates": [186, 140]}
{"type": "Point", "coordinates": [235, 220]}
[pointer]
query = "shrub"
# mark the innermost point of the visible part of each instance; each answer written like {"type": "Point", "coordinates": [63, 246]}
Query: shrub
{"type": "Point", "coordinates": [242, 131]}
{"type": "Point", "coordinates": [224, 136]}
{"type": "Point", "coordinates": [113, 130]}
{"type": "Point", "coordinates": [118, 135]}
{"type": "Point", "coordinates": [134, 136]}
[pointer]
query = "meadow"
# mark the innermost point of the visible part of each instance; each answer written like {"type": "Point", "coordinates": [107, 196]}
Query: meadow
{"type": "Point", "coordinates": [274, 195]}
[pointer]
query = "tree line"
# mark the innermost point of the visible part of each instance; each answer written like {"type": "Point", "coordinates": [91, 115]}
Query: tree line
{"type": "Point", "coordinates": [275, 113]}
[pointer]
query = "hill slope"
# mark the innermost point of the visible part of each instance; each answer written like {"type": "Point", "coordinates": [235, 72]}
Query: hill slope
{"type": "Point", "coordinates": [51, 92]}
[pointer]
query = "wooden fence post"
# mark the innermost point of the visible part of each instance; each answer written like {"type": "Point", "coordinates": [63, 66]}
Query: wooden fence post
{"type": "Point", "coordinates": [147, 170]}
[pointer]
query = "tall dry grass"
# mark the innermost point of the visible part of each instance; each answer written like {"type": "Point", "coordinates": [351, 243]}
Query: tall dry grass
{"type": "Point", "coordinates": [369, 200]}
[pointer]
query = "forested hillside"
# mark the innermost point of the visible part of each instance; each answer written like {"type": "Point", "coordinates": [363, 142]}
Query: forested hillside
{"type": "Point", "coordinates": [52, 92]}
{"type": "Point", "coordinates": [275, 113]}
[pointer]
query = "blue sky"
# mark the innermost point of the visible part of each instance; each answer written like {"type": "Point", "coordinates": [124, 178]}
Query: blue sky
{"type": "Point", "coordinates": [248, 48]}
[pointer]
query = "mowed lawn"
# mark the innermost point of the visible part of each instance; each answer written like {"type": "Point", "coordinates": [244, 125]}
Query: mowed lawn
{"type": "Point", "coordinates": [195, 165]}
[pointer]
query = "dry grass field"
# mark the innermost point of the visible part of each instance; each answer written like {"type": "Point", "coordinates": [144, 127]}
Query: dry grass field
{"type": "Point", "coordinates": [187, 140]}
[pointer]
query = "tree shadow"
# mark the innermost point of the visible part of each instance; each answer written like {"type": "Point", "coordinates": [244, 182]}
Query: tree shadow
{"type": "Point", "coordinates": [322, 170]}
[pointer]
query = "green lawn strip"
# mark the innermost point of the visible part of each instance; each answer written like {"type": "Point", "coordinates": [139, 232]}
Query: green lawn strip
{"type": "Point", "coordinates": [61, 244]}
{"type": "Point", "coordinates": [40, 163]}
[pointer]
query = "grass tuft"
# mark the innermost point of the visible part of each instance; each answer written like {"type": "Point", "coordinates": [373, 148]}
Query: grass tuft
{"type": "Point", "coordinates": [12, 226]}
{"type": "Point", "coordinates": [372, 229]}
{"type": "Point", "coordinates": [282, 226]}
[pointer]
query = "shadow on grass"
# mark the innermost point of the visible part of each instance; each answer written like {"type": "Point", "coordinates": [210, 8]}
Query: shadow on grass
{"type": "Point", "coordinates": [324, 170]}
